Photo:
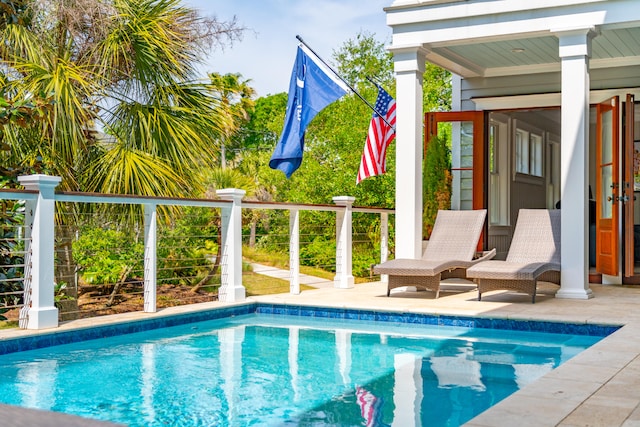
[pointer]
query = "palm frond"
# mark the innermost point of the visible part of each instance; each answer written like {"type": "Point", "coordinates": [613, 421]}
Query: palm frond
{"type": "Point", "coordinates": [122, 170]}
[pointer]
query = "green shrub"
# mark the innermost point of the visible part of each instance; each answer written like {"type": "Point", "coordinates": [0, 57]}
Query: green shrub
{"type": "Point", "coordinates": [102, 254]}
{"type": "Point", "coordinates": [437, 182]}
{"type": "Point", "coordinates": [320, 252]}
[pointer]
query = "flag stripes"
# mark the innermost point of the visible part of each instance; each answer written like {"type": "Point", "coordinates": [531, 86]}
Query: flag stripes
{"type": "Point", "coordinates": [379, 137]}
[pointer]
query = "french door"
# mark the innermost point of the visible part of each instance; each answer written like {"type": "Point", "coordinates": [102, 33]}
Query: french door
{"type": "Point", "coordinates": [610, 191]}
{"type": "Point", "coordinates": [607, 186]}
{"type": "Point", "coordinates": [470, 169]}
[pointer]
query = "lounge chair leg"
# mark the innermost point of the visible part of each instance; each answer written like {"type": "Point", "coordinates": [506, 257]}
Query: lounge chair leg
{"type": "Point", "coordinates": [388, 291]}
{"type": "Point", "coordinates": [479, 296]}
{"type": "Point", "coordinates": [533, 298]}
{"type": "Point", "coordinates": [437, 293]}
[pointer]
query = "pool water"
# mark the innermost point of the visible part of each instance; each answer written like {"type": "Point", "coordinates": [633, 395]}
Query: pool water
{"type": "Point", "coordinates": [279, 370]}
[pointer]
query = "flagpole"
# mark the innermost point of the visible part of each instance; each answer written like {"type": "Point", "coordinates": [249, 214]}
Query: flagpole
{"type": "Point", "coordinates": [347, 83]}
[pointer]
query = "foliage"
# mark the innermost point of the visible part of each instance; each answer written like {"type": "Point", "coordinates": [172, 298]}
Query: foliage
{"type": "Point", "coordinates": [437, 181]}
{"type": "Point", "coordinates": [187, 243]}
{"type": "Point", "coordinates": [11, 258]}
{"type": "Point", "coordinates": [320, 252]}
{"type": "Point", "coordinates": [102, 254]}
{"type": "Point", "coordinates": [126, 68]}
{"type": "Point", "coordinates": [362, 58]}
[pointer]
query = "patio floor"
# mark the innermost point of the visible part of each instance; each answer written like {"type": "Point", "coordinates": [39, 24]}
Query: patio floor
{"type": "Point", "coordinates": [598, 387]}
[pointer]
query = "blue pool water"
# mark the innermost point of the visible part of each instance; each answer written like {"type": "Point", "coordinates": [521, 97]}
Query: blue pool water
{"type": "Point", "coordinates": [276, 370]}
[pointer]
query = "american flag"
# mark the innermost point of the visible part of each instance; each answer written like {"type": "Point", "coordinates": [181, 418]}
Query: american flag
{"type": "Point", "coordinates": [374, 156]}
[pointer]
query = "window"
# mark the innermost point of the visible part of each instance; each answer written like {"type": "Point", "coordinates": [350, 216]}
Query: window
{"type": "Point", "coordinates": [535, 157]}
{"type": "Point", "coordinates": [522, 151]}
{"type": "Point", "coordinates": [528, 151]}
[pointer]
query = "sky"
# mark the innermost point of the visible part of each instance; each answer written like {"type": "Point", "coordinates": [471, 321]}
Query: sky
{"type": "Point", "coordinates": [266, 53]}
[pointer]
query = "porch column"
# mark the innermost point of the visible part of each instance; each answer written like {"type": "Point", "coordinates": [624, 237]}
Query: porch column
{"type": "Point", "coordinates": [575, 49]}
{"type": "Point", "coordinates": [231, 289]}
{"type": "Point", "coordinates": [40, 216]}
{"type": "Point", "coordinates": [409, 65]}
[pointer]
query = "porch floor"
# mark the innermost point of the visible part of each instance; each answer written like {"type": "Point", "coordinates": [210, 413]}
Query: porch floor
{"type": "Point", "coordinates": [598, 387]}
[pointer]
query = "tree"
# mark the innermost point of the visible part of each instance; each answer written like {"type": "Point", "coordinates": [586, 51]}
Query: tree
{"type": "Point", "coordinates": [126, 114]}
{"type": "Point", "coordinates": [237, 98]}
{"type": "Point", "coordinates": [127, 67]}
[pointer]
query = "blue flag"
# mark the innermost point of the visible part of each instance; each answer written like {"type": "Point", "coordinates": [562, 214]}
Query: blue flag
{"type": "Point", "coordinates": [312, 87]}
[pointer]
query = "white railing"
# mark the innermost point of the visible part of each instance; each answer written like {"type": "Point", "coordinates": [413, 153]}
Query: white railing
{"type": "Point", "coordinates": [39, 310]}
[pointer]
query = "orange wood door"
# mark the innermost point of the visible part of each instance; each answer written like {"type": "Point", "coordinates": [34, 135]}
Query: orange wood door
{"type": "Point", "coordinates": [607, 186]}
{"type": "Point", "coordinates": [479, 159]}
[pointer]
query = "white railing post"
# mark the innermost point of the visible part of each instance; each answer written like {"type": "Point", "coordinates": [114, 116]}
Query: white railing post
{"type": "Point", "coordinates": [344, 274]}
{"type": "Point", "coordinates": [150, 257]}
{"type": "Point", "coordinates": [231, 289]}
{"type": "Point", "coordinates": [384, 243]}
{"type": "Point", "coordinates": [294, 251]}
{"type": "Point", "coordinates": [40, 221]}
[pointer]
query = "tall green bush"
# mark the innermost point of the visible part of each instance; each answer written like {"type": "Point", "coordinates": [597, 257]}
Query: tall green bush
{"type": "Point", "coordinates": [437, 180]}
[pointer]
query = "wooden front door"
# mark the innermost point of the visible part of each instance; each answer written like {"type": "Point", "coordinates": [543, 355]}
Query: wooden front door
{"type": "Point", "coordinates": [607, 186]}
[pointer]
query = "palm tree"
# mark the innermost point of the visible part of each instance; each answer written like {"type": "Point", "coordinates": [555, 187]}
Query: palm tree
{"type": "Point", "coordinates": [125, 67]}
{"type": "Point", "coordinates": [237, 96]}
{"type": "Point", "coordinates": [126, 113]}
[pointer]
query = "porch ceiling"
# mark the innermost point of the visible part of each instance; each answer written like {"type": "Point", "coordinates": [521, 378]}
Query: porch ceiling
{"type": "Point", "coordinates": [488, 38]}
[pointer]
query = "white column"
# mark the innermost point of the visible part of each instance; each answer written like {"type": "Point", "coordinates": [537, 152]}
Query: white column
{"type": "Point", "coordinates": [575, 49]}
{"type": "Point", "coordinates": [344, 274]}
{"type": "Point", "coordinates": [409, 64]}
{"type": "Point", "coordinates": [407, 390]}
{"type": "Point", "coordinates": [231, 289]}
{"type": "Point", "coordinates": [150, 258]}
{"type": "Point", "coordinates": [294, 251]}
{"type": "Point", "coordinates": [384, 243]}
{"type": "Point", "coordinates": [42, 313]}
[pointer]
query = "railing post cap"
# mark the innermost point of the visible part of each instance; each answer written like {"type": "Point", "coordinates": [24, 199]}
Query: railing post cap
{"type": "Point", "coordinates": [231, 193]}
{"type": "Point", "coordinates": [38, 179]}
{"type": "Point", "coordinates": [344, 200]}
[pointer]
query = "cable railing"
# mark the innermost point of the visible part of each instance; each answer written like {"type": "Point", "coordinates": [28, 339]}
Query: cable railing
{"type": "Point", "coordinates": [115, 253]}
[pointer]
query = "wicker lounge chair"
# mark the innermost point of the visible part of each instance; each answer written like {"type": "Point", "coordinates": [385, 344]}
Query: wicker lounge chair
{"type": "Point", "coordinates": [534, 255]}
{"type": "Point", "coordinates": [451, 249]}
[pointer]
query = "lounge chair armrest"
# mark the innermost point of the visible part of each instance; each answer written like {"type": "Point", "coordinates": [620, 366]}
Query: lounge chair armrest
{"type": "Point", "coordinates": [484, 255]}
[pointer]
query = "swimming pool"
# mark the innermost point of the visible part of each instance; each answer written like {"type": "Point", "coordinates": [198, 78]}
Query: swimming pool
{"type": "Point", "coordinates": [285, 365]}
